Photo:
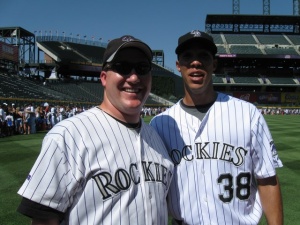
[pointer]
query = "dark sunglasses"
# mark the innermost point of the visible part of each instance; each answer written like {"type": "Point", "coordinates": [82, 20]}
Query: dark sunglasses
{"type": "Point", "coordinates": [124, 68]}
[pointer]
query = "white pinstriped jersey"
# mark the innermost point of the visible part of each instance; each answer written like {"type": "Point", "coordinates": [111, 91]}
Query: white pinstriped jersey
{"type": "Point", "coordinates": [217, 161]}
{"type": "Point", "coordinates": [98, 171]}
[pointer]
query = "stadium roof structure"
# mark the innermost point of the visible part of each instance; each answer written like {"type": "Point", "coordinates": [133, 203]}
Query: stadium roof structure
{"type": "Point", "coordinates": [252, 23]}
{"type": "Point", "coordinates": [24, 39]}
{"type": "Point", "coordinates": [74, 56]}
{"type": "Point", "coordinates": [260, 19]}
{"type": "Point", "coordinates": [14, 31]}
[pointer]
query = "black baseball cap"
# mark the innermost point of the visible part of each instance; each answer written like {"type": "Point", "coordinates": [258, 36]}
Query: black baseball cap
{"type": "Point", "coordinates": [195, 36]}
{"type": "Point", "coordinates": [126, 41]}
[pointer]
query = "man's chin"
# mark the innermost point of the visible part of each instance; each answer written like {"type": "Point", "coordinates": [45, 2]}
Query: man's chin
{"type": "Point", "coordinates": [134, 105]}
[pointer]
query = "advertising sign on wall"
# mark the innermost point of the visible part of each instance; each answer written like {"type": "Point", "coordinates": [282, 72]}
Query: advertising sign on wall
{"type": "Point", "coordinates": [9, 52]}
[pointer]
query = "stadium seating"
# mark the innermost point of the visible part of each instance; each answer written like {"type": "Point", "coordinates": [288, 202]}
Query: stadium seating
{"type": "Point", "coordinates": [221, 49]}
{"type": "Point", "coordinates": [239, 39]}
{"type": "Point", "coordinates": [77, 91]}
{"type": "Point", "coordinates": [18, 87]}
{"type": "Point", "coordinates": [274, 39]}
{"type": "Point", "coordinates": [281, 80]}
{"type": "Point", "coordinates": [248, 44]}
{"type": "Point", "coordinates": [245, 49]}
{"type": "Point", "coordinates": [217, 38]}
{"type": "Point", "coordinates": [281, 51]}
{"type": "Point", "coordinates": [246, 80]}
{"type": "Point", "coordinates": [218, 79]}
{"type": "Point", "coordinates": [294, 39]}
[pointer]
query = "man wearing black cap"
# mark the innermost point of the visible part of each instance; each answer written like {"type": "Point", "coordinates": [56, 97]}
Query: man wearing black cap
{"type": "Point", "coordinates": [224, 153]}
{"type": "Point", "coordinates": [104, 165]}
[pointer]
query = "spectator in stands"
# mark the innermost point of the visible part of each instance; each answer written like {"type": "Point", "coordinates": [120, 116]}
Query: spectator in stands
{"type": "Point", "coordinates": [62, 113]}
{"type": "Point", "coordinates": [2, 119]}
{"type": "Point", "coordinates": [27, 120]}
{"type": "Point", "coordinates": [33, 119]}
{"type": "Point", "coordinates": [78, 110]}
{"type": "Point", "coordinates": [69, 111]}
{"type": "Point", "coordinates": [9, 119]}
{"type": "Point", "coordinates": [46, 107]}
{"type": "Point", "coordinates": [40, 118]}
{"type": "Point", "coordinates": [13, 112]}
{"type": "Point", "coordinates": [97, 167]}
{"type": "Point", "coordinates": [52, 117]}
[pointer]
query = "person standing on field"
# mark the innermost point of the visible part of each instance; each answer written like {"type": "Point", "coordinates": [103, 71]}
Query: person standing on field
{"type": "Point", "coordinates": [104, 165]}
{"type": "Point", "coordinates": [224, 155]}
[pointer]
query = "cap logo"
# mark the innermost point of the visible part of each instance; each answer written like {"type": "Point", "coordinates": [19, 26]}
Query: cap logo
{"type": "Point", "coordinates": [196, 33]}
{"type": "Point", "coordinates": [128, 38]}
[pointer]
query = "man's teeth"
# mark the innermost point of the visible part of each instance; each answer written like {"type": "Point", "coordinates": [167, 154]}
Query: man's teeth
{"type": "Point", "coordinates": [196, 75]}
{"type": "Point", "coordinates": [131, 90]}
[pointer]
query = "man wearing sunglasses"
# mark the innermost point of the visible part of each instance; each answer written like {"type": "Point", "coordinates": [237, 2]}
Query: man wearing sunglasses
{"type": "Point", "coordinates": [105, 165]}
{"type": "Point", "coordinates": [126, 77]}
{"type": "Point", "coordinates": [224, 153]}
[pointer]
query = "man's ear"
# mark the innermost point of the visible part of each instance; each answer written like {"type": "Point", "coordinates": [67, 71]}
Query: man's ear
{"type": "Point", "coordinates": [178, 66]}
{"type": "Point", "coordinates": [103, 76]}
{"type": "Point", "coordinates": [215, 64]}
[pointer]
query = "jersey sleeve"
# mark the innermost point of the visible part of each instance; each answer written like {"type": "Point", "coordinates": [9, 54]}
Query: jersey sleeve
{"type": "Point", "coordinates": [38, 211]}
{"type": "Point", "coordinates": [265, 156]}
{"type": "Point", "coordinates": [50, 180]}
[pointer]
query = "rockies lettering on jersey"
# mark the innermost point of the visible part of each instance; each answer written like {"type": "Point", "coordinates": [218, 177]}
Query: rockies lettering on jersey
{"type": "Point", "coordinates": [221, 151]}
{"type": "Point", "coordinates": [109, 184]}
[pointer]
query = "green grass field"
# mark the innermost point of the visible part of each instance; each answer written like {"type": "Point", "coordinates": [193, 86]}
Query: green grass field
{"type": "Point", "coordinates": [17, 154]}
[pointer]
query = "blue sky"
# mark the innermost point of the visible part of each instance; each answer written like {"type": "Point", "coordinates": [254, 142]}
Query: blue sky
{"type": "Point", "coordinates": [157, 22]}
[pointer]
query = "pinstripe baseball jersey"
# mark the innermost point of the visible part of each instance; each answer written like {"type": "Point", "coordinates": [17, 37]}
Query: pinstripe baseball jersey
{"type": "Point", "coordinates": [217, 161]}
{"type": "Point", "coordinates": [98, 171]}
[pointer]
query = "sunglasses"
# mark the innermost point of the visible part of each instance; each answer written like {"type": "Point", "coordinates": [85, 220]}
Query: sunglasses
{"type": "Point", "coordinates": [124, 68]}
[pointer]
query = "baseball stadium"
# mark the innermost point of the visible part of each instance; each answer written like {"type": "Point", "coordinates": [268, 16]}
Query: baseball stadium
{"type": "Point", "coordinates": [258, 61]}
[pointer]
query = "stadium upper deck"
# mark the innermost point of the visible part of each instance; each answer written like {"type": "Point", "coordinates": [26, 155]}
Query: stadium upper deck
{"type": "Point", "coordinates": [258, 56]}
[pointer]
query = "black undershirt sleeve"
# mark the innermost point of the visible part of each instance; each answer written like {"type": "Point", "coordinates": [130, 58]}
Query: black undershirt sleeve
{"type": "Point", "coordinates": [38, 211]}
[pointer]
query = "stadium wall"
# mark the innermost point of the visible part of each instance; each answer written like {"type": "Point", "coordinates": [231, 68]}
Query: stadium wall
{"type": "Point", "coordinates": [269, 98]}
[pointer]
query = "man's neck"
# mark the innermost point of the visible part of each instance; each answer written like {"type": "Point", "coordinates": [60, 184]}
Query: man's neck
{"type": "Point", "coordinates": [199, 99]}
{"type": "Point", "coordinates": [126, 118]}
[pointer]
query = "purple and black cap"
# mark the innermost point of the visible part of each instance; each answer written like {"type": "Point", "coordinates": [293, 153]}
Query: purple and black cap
{"type": "Point", "coordinates": [127, 41]}
{"type": "Point", "coordinates": [200, 38]}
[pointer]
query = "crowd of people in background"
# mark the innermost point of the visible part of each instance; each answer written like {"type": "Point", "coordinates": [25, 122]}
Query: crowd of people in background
{"type": "Point", "coordinates": [279, 111]}
{"type": "Point", "coordinates": [29, 118]}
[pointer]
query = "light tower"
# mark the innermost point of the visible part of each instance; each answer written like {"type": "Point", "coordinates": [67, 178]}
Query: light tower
{"type": "Point", "coordinates": [266, 7]}
{"type": "Point", "coordinates": [235, 6]}
{"type": "Point", "coordinates": [296, 7]}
